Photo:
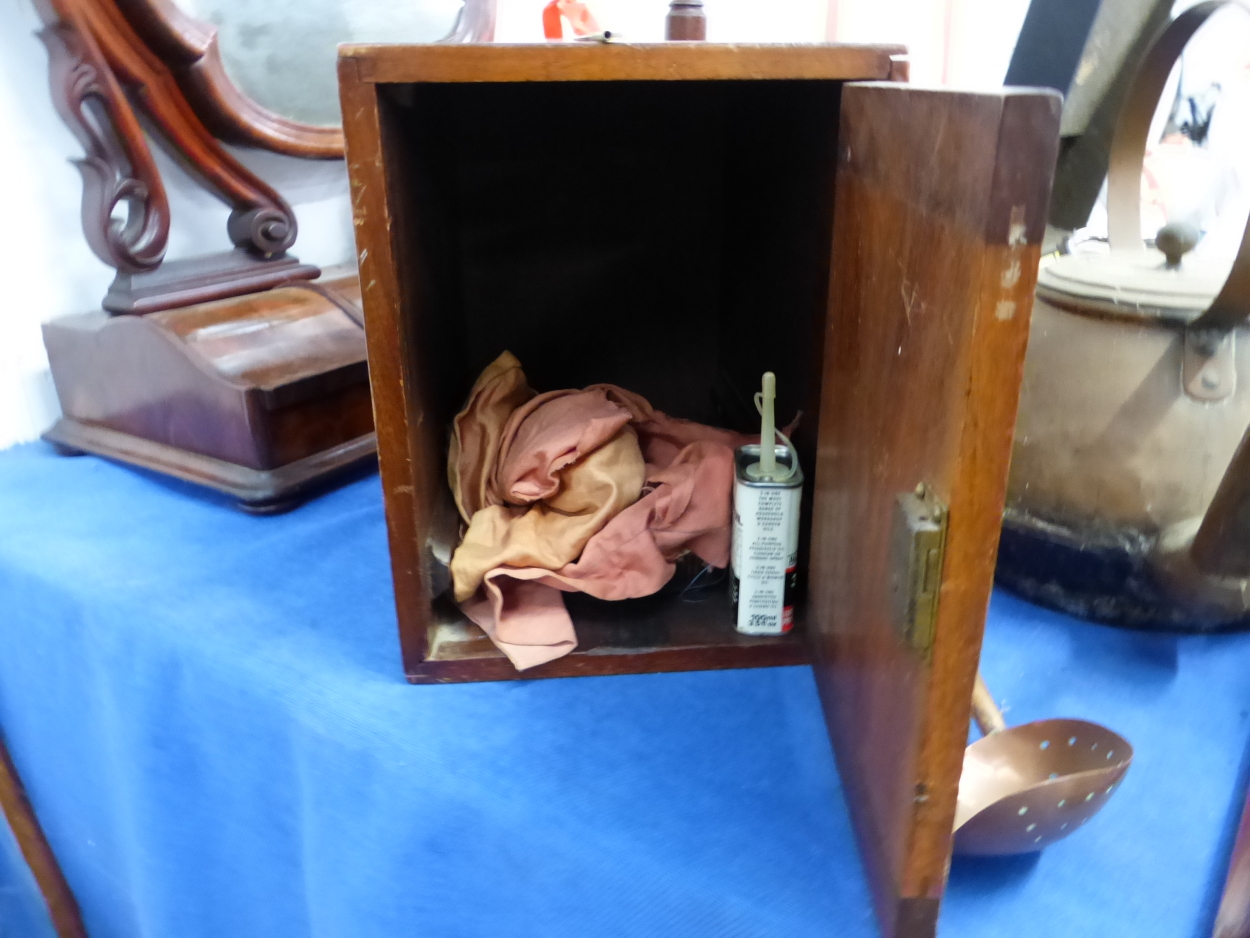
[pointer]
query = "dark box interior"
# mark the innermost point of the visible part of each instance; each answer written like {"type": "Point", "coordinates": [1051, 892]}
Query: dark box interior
{"type": "Point", "coordinates": [669, 237]}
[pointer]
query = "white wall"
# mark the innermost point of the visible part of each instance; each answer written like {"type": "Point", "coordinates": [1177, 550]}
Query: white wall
{"type": "Point", "coordinates": [963, 43]}
{"type": "Point", "coordinates": [45, 266]}
{"type": "Point", "coordinates": [47, 270]}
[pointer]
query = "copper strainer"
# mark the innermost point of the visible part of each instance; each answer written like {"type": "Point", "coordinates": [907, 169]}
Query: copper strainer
{"type": "Point", "coordinates": [1026, 787]}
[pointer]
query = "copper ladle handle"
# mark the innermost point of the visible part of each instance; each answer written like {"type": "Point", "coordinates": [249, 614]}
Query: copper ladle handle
{"type": "Point", "coordinates": [989, 718]}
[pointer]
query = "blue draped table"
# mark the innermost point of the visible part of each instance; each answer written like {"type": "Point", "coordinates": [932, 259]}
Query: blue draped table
{"type": "Point", "coordinates": [209, 714]}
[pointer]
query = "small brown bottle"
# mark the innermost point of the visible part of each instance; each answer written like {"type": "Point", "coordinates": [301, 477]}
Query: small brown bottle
{"type": "Point", "coordinates": [685, 21]}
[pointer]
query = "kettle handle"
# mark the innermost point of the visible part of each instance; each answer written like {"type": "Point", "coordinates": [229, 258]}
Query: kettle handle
{"type": "Point", "coordinates": [1128, 151]}
{"type": "Point", "coordinates": [1221, 545]}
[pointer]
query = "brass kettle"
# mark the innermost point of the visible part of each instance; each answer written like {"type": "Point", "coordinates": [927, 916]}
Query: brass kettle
{"type": "Point", "coordinates": [1129, 496]}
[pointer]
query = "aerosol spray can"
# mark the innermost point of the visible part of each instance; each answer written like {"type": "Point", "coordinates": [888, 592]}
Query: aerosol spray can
{"type": "Point", "coordinates": [768, 492]}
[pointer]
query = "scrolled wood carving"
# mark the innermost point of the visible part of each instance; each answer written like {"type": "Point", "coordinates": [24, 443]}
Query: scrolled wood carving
{"type": "Point", "coordinates": [118, 167]}
{"type": "Point", "coordinates": [190, 51]}
{"type": "Point", "coordinates": [110, 57]}
{"type": "Point", "coordinates": [270, 227]}
{"type": "Point", "coordinates": [268, 230]}
{"type": "Point", "coordinates": [189, 48]}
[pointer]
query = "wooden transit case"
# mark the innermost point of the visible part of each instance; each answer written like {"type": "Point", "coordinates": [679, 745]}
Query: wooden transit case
{"type": "Point", "coordinates": [630, 214]}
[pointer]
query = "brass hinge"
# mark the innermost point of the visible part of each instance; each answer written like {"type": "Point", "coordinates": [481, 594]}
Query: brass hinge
{"type": "Point", "coordinates": [917, 549]}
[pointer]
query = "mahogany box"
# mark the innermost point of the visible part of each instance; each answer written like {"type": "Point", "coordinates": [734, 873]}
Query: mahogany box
{"type": "Point", "coordinates": [677, 219]}
{"type": "Point", "coordinates": [264, 397]}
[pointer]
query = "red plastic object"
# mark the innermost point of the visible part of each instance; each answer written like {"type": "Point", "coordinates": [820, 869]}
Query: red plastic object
{"type": "Point", "coordinates": [581, 20]}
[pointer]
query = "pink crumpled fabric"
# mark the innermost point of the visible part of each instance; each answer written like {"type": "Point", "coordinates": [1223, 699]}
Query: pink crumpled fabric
{"type": "Point", "coordinates": [625, 552]}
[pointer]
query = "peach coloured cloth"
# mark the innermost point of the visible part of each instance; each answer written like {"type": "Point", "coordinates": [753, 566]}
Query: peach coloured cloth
{"type": "Point", "coordinates": [662, 436]}
{"type": "Point", "coordinates": [547, 434]}
{"type": "Point", "coordinates": [687, 508]}
{"type": "Point", "coordinates": [566, 463]}
{"type": "Point", "coordinates": [552, 532]}
{"type": "Point", "coordinates": [478, 430]}
{"type": "Point", "coordinates": [555, 513]}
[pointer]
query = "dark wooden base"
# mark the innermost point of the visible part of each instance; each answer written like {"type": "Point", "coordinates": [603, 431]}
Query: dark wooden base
{"type": "Point", "coordinates": [1106, 577]}
{"type": "Point", "coordinates": [636, 636]}
{"type": "Point", "coordinates": [258, 491]}
{"type": "Point", "coordinates": [201, 279]}
{"type": "Point", "coordinates": [263, 397]}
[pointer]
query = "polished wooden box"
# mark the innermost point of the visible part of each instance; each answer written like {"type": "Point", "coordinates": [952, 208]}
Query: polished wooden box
{"type": "Point", "coordinates": [264, 397]}
{"type": "Point", "coordinates": [677, 219]}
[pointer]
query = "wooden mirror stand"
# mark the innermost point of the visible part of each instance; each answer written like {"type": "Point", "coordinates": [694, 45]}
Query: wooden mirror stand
{"type": "Point", "coordinates": [198, 367]}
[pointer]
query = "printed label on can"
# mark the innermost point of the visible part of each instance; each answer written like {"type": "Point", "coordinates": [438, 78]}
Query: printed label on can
{"type": "Point", "coordinates": [765, 556]}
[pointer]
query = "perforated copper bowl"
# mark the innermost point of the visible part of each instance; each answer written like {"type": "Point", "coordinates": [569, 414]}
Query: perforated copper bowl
{"type": "Point", "coordinates": [1026, 787]}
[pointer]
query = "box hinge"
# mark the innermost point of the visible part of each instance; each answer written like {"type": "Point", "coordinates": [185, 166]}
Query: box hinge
{"type": "Point", "coordinates": [917, 550]}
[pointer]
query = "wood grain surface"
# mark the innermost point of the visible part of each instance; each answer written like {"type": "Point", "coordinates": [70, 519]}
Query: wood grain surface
{"type": "Point", "coordinates": [391, 354]}
{"type": "Point", "coordinates": [264, 397]}
{"type": "Point", "coordinates": [940, 207]}
{"type": "Point", "coordinates": [701, 61]}
{"type": "Point", "coordinates": [887, 238]}
{"type": "Point", "coordinates": [453, 182]}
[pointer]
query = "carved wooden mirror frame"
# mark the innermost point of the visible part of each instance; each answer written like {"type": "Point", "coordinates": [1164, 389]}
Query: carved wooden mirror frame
{"type": "Point", "coordinates": [191, 51]}
{"type": "Point", "coordinates": [123, 67]}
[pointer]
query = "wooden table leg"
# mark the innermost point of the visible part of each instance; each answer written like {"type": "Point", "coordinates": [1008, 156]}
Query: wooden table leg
{"type": "Point", "coordinates": [62, 906]}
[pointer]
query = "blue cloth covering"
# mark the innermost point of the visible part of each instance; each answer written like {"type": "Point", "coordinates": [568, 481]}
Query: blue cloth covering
{"type": "Point", "coordinates": [209, 714]}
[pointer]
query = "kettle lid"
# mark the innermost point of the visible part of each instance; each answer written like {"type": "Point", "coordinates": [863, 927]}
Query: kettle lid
{"type": "Point", "coordinates": [1138, 283]}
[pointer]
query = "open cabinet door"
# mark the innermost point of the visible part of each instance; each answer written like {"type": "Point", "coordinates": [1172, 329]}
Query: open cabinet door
{"type": "Point", "coordinates": [940, 209]}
